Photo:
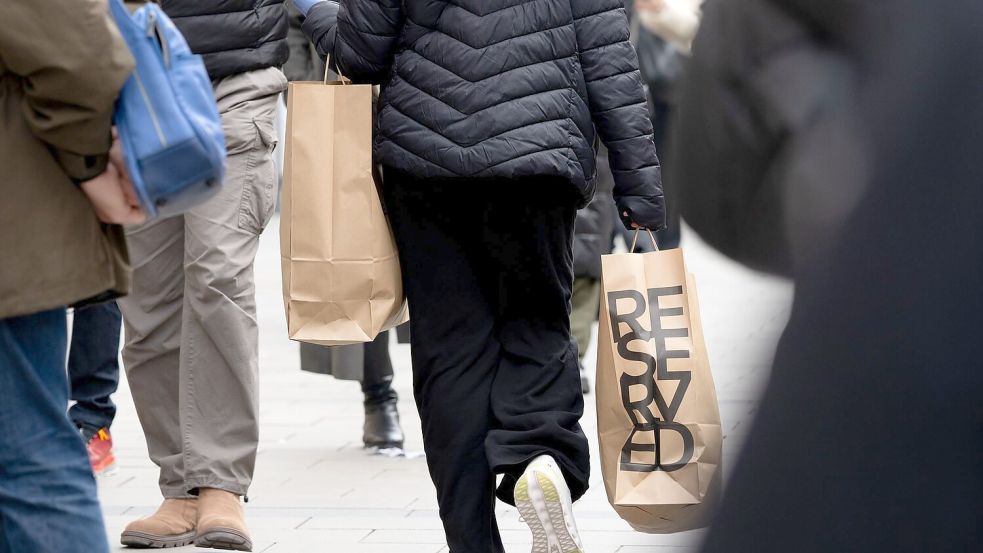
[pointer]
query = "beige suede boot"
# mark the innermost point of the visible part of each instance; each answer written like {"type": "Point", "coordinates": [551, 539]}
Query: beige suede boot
{"type": "Point", "coordinates": [173, 525]}
{"type": "Point", "coordinates": [221, 522]}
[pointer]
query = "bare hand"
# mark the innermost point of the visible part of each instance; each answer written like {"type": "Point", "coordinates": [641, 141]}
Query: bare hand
{"type": "Point", "coordinates": [113, 198]}
{"type": "Point", "coordinates": [650, 5]}
{"type": "Point", "coordinates": [116, 158]}
{"type": "Point", "coordinates": [634, 225]}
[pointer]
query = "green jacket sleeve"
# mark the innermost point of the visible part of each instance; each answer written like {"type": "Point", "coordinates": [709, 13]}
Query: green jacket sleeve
{"type": "Point", "coordinates": [71, 63]}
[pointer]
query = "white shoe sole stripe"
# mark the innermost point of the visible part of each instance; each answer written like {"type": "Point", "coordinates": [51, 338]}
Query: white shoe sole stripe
{"type": "Point", "coordinates": [552, 525]}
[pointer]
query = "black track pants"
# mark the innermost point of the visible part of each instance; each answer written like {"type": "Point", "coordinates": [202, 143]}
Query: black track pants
{"type": "Point", "coordinates": [487, 267]}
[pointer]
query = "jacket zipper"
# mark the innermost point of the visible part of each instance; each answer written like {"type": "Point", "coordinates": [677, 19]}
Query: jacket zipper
{"type": "Point", "coordinates": [143, 91]}
{"type": "Point", "coordinates": [150, 109]}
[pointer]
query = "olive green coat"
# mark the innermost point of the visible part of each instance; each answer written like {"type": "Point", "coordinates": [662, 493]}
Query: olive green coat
{"type": "Point", "coordinates": [62, 63]}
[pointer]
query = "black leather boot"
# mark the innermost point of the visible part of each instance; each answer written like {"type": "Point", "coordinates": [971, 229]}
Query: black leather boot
{"type": "Point", "coordinates": [382, 427]}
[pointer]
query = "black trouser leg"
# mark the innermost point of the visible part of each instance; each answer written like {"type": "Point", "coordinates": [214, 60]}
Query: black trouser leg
{"type": "Point", "coordinates": [455, 356]}
{"type": "Point", "coordinates": [495, 370]}
{"type": "Point", "coordinates": [536, 396]}
{"type": "Point", "coordinates": [377, 377]}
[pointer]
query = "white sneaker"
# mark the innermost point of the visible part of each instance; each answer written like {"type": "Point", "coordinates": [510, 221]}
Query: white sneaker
{"type": "Point", "coordinates": [543, 500]}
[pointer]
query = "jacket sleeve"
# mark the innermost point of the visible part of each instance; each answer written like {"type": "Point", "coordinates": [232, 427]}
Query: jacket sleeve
{"type": "Point", "coordinates": [619, 109]}
{"type": "Point", "coordinates": [72, 63]}
{"type": "Point", "coordinates": [359, 36]}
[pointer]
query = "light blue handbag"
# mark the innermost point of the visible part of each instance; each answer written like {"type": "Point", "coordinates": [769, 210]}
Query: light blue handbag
{"type": "Point", "coordinates": [166, 116]}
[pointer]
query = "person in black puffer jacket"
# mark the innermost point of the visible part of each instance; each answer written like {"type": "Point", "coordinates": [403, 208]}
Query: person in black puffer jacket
{"type": "Point", "coordinates": [486, 134]}
{"type": "Point", "coordinates": [191, 317]}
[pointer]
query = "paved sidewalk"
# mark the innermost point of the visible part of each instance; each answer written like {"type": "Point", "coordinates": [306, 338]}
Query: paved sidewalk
{"type": "Point", "coordinates": [316, 490]}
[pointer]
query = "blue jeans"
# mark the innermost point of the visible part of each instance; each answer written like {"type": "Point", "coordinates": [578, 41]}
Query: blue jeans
{"type": "Point", "coordinates": [48, 498]}
{"type": "Point", "coordinates": [93, 365]}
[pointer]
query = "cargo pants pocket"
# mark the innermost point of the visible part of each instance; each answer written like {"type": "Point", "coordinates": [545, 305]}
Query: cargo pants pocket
{"type": "Point", "coordinates": [259, 186]}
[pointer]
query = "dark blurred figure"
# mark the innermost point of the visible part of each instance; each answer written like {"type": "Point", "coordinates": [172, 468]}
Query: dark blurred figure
{"type": "Point", "coordinates": [661, 65]}
{"type": "Point", "coordinates": [845, 152]}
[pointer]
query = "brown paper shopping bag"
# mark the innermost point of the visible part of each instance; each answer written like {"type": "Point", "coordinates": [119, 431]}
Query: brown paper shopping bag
{"type": "Point", "coordinates": [657, 414]}
{"type": "Point", "coordinates": [341, 276]}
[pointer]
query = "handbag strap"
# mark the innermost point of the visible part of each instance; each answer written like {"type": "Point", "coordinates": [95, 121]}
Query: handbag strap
{"type": "Point", "coordinates": [327, 65]}
{"type": "Point", "coordinates": [634, 241]}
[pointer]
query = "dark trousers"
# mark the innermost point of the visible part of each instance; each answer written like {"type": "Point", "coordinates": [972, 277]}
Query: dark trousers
{"type": "Point", "coordinates": [377, 378]}
{"type": "Point", "coordinates": [48, 498]}
{"type": "Point", "coordinates": [495, 368]}
{"type": "Point", "coordinates": [93, 365]}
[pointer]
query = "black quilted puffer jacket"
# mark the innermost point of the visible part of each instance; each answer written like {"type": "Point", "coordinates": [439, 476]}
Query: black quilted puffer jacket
{"type": "Point", "coordinates": [233, 36]}
{"type": "Point", "coordinates": [501, 88]}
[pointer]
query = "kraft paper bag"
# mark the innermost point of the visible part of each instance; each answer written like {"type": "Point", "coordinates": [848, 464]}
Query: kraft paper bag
{"type": "Point", "coordinates": [341, 275]}
{"type": "Point", "coordinates": [658, 418]}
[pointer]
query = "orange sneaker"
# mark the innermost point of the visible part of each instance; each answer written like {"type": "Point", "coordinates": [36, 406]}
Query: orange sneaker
{"type": "Point", "coordinates": [100, 446]}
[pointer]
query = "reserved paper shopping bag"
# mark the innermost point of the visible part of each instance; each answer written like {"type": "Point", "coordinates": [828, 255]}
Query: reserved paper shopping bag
{"type": "Point", "coordinates": [341, 275]}
{"type": "Point", "coordinates": [658, 419]}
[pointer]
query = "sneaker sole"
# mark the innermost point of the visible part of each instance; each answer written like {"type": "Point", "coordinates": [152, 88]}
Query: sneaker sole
{"type": "Point", "coordinates": [141, 540]}
{"type": "Point", "coordinates": [107, 470]}
{"type": "Point", "coordinates": [224, 538]}
{"type": "Point", "coordinates": [382, 445]}
{"type": "Point", "coordinates": [542, 510]}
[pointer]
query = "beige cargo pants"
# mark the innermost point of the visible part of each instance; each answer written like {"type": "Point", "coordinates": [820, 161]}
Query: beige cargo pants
{"type": "Point", "coordinates": [191, 347]}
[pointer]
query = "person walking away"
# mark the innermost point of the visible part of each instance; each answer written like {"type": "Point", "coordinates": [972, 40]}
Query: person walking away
{"type": "Point", "coordinates": [93, 374]}
{"type": "Point", "coordinates": [486, 127]}
{"type": "Point", "coordinates": [190, 351]}
{"type": "Point", "coordinates": [62, 64]}
{"type": "Point", "coordinates": [592, 239]}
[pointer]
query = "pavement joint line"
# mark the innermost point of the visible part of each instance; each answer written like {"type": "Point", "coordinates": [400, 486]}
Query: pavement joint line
{"type": "Point", "coordinates": [365, 537]}
{"type": "Point", "coordinates": [125, 482]}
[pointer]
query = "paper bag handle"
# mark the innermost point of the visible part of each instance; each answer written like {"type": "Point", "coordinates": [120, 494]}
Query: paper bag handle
{"type": "Point", "coordinates": [327, 64]}
{"type": "Point", "coordinates": [634, 241]}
